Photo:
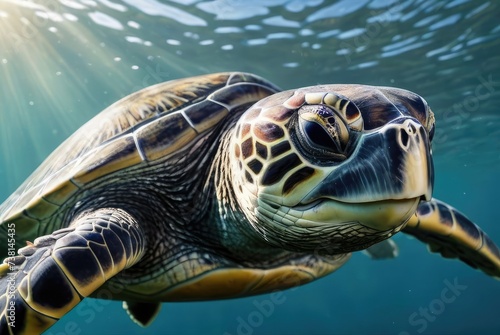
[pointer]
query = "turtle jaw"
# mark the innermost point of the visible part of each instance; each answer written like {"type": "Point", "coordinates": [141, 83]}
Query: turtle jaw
{"type": "Point", "coordinates": [330, 227]}
{"type": "Point", "coordinates": [380, 215]}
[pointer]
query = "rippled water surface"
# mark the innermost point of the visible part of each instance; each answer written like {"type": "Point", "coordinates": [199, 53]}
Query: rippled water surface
{"type": "Point", "coordinates": [61, 62]}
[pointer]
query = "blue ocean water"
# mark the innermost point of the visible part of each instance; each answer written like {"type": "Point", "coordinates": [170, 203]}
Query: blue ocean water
{"type": "Point", "coordinates": [62, 61]}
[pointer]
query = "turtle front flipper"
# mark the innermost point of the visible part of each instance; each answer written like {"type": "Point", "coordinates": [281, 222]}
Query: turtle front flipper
{"type": "Point", "coordinates": [449, 232]}
{"type": "Point", "coordinates": [53, 274]}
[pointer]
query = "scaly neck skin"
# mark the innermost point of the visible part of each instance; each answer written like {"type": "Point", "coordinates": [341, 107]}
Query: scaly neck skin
{"type": "Point", "coordinates": [235, 230]}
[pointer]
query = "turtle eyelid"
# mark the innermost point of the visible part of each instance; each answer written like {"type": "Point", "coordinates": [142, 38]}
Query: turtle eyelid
{"type": "Point", "coordinates": [346, 108]}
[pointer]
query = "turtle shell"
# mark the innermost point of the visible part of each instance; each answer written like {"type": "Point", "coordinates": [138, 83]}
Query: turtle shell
{"type": "Point", "coordinates": [145, 126]}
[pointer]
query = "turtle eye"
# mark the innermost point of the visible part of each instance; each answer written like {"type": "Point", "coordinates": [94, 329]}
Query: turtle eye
{"type": "Point", "coordinates": [321, 133]}
{"type": "Point", "coordinates": [317, 135]}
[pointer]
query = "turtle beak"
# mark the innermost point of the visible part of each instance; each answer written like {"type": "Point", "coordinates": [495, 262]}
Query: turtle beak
{"type": "Point", "coordinates": [393, 162]}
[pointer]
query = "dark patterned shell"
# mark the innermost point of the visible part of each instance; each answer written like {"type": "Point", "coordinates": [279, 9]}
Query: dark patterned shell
{"type": "Point", "coordinates": [144, 126]}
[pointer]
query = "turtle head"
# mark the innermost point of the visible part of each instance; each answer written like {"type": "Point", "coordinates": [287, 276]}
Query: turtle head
{"type": "Point", "coordinates": [335, 167]}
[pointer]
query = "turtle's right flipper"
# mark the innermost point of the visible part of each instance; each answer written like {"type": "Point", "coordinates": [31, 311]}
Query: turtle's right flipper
{"type": "Point", "coordinates": [449, 232]}
{"type": "Point", "coordinates": [52, 275]}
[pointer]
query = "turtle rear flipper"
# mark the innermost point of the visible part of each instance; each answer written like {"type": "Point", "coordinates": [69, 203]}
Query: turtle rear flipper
{"type": "Point", "coordinates": [449, 232]}
{"type": "Point", "coordinates": [53, 274]}
{"type": "Point", "coordinates": [142, 313]}
{"type": "Point", "coordinates": [383, 250]}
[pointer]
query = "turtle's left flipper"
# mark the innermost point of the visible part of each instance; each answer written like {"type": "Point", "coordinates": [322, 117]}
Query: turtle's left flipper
{"type": "Point", "coordinates": [53, 274]}
{"type": "Point", "coordinates": [450, 233]}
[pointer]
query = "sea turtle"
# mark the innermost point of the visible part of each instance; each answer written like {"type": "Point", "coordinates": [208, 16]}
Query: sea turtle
{"type": "Point", "coordinates": [222, 186]}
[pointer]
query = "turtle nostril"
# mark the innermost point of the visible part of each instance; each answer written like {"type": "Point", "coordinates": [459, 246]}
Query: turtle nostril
{"type": "Point", "coordinates": [404, 138]}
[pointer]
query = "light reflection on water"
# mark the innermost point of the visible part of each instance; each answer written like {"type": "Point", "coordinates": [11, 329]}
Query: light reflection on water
{"type": "Point", "coordinates": [63, 61]}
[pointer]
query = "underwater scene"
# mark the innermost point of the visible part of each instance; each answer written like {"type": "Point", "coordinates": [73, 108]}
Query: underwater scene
{"type": "Point", "coordinates": [64, 61]}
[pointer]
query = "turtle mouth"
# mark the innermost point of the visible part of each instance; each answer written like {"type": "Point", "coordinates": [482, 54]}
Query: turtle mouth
{"type": "Point", "coordinates": [380, 215]}
{"type": "Point", "coordinates": [335, 226]}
